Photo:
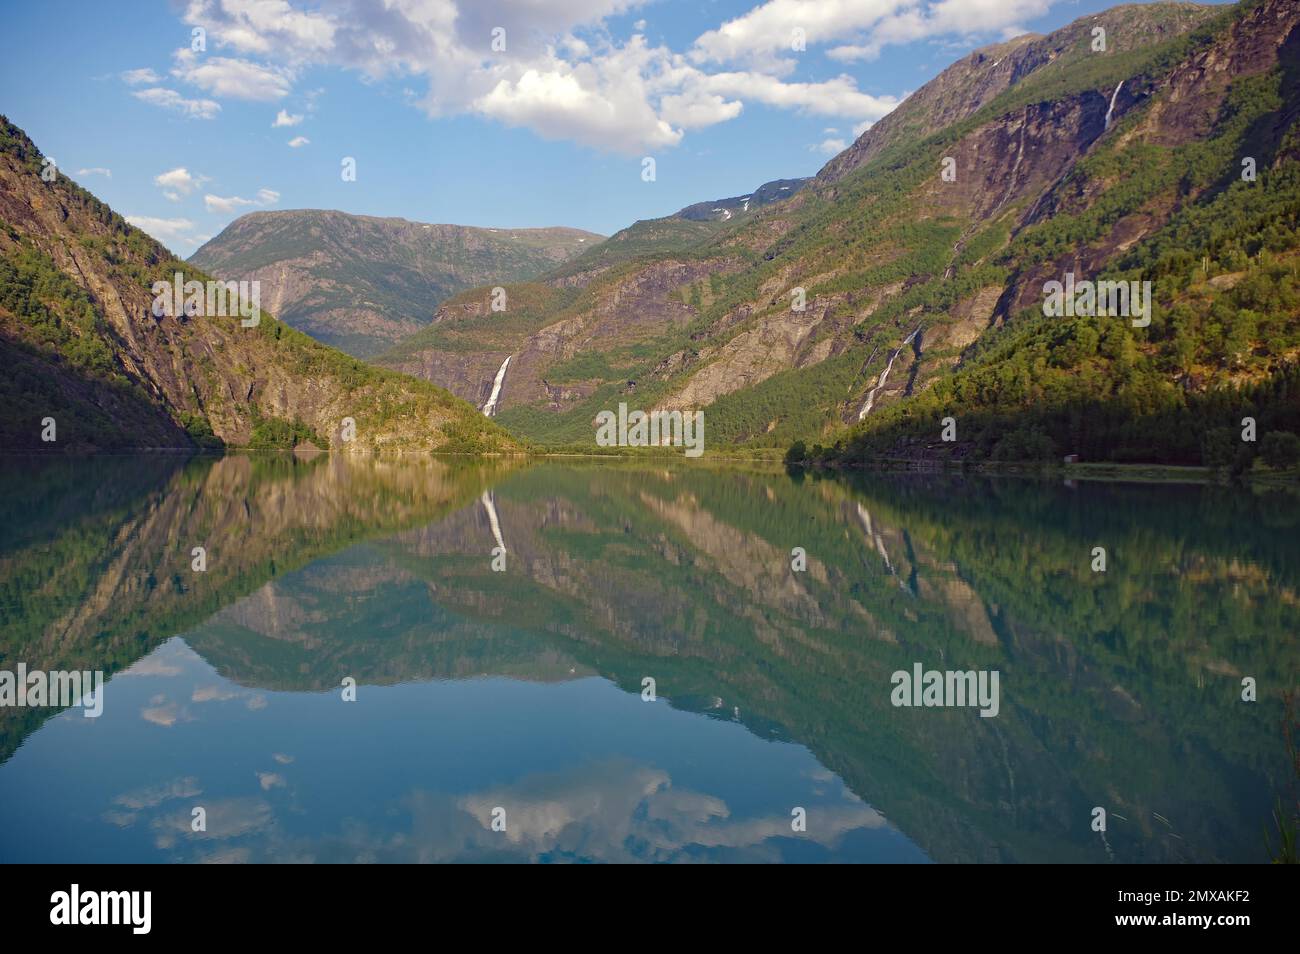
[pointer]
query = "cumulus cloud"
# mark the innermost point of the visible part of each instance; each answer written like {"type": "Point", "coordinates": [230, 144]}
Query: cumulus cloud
{"type": "Point", "coordinates": [563, 74]}
{"type": "Point", "coordinates": [96, 171]}
{"type": "Point", "coordinates": [170, 99]}
{"type": "Point", "coordinates": [830, 147]}
{"type": "Point", "coordinates": [263, 26]}
{"type": "Point", "coordinates": [620, 96]}
{"type": "Point", "coordinates": [229, 204]}
{"type": "Point", "coordinates": [855, 29]}
{"type": "Point", "coordinates": [835, 97]}
{"type": "Point", "coordinates": [178, 231]}
{"type": "Point", "coordinates": [140, 77]}
{"type": "Point", "coordinates": [770, 34]}
{"type": "Point", "coordinates": [178, 182]}
{"type": "Point", "coordinates": [233, 78]}
{"type": "Point", "coordinates": [297, 142]}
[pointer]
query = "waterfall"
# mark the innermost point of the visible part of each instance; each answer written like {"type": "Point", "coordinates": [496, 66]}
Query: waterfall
{"type": "Point", "coordinates": [491, 509]}
{"type": "Point", "coordinates": [1113, 96]}
{"type": "Point", "coordinates": [490, 407]}
{"type": "Point", "coordinates": [884, 376]}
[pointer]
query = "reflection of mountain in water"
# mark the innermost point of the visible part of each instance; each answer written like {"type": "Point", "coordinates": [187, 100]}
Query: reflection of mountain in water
{"type": "Point", "coordinates": [1119, 689]}
{"type": "Point", "coordinates": [97, 555]}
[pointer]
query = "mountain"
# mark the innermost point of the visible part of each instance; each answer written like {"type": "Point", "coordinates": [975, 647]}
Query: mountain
{"type": "Point", "coordinates": [722, 210]}
{"type": "Point", "coordinates": [924, 292]}
{"type": "Point", "coordinates": [360, 283]}
{"type": "Point", "coordinates": [81, 344]}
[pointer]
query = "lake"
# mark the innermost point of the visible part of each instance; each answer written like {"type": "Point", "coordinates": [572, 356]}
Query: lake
{"type": "Point", "coordinates": [531, 660]}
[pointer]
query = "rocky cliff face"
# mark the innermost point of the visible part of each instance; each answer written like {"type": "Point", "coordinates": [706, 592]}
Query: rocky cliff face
{"type": "Point", "coordinates": [78, 322]}
{"type": "Point", "coordinates": [918, 244]}
{"type": "Point", "coordinates": [361, 283]}
{"type": "Point", "coordinates": [975, 81]}
{"type": "Point", "coordinates": [610, 314]}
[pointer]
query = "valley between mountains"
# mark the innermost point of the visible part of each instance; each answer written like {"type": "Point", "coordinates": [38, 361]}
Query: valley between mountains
{"type": "Point", "coordinates": [843, 317]}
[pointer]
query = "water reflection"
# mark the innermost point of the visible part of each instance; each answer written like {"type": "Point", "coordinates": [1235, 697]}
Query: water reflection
{"type": "Point", "coordinates": [520, 687]}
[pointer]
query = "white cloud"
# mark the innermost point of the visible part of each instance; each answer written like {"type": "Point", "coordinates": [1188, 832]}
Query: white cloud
{"type": "Point", "coordinates": [170, 99]}
{"type": "Point", "coordinates": [836, 97]}
{"type": "Point", "coordinates": [140, 77]}
{"type": "Point", "coordinates": [167, 231]}
{"type": "Point", "coordinates": [96, 171]}
{"type": "Point", "coordinates": [233, 78]}
{"type": "Point", "coordinates": [263, 26]}
{"type": "Point", "coordinates": [830, 147]}
{"type": "Point", "coordinates": [765, 36]}
{"type": "Point", "coordinates": [698, 109]}
{"type": "Point", "coordinates": [224, 205]}
{"type": "Point", "coordinates": [563, 74]}
{"type": "Point", "coordinates": [964, 20]}
{"type": "Point", "coordinates": [228, 205]}
{"type": "Point", "coordinates": [298, 142]}
{"type": "Point", "coordinates": [178, 182]}
{"type": "Point", "coordinates": [855, 29]}
{"type": "Point", "coordinates": [557, 104]}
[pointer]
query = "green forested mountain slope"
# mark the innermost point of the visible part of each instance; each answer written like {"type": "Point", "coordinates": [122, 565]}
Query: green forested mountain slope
{"type": "Point", "coordinates": [81, 345]}
{"type": "Point", "coordinates": [925, 295]}
{"type": "Point", "coordinates": [361, 283]}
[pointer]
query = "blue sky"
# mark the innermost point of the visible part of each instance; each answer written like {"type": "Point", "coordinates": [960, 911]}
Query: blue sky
{"type": "Point", "coordinates": [551, 130]}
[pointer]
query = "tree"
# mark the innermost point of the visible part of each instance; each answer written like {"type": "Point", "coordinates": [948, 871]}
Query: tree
{"type": "Point", "coordinates": [1219, 447]}
{"type": "Point", "coordinates": [1280, 449]}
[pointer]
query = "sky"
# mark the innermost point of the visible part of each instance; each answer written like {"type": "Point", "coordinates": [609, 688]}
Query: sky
{"type": "Point", "coordinates": [185, 114]}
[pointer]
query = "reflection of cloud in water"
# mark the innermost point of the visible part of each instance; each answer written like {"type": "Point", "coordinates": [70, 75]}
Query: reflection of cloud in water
{"type": "Point", "coordinates": [218, 693]}
{"type": "Point", "coordinates": [152, 665]}
{"type": "Point", "coordinates": [131, 804]}
{"type": "Point", "coordinates": [610, 811]}
{"type": "Point", "coordinates": [615, 811]}
{"type": "Point", "coordinates": [153, 796]}
{"type": "Point", "coordinates": [214, 694]}
{"type": "Point", "coordinates": [165, 714]}
{"type": "Point", "coordinates": [226, 818]}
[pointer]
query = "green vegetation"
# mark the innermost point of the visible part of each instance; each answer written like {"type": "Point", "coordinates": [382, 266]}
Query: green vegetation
{"type": "Point", "coordinates": [275, 433]}
{"type": "Point", "coordinates": [1223, 338]}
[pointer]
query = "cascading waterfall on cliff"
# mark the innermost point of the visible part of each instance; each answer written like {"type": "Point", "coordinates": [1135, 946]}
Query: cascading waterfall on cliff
{"type": "Point", "coordinates": [884, 376]}
{"type": "Point", "coordinates": [1111, 110]}
{"type": "Point", "coordinates": [490, 407]}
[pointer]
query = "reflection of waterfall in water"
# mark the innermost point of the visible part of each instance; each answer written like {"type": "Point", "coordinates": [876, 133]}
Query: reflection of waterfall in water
{"type": "Point", "coordinates": [865, 516]}
{"type": "Point", "coordinates": [490, 407]}
{"type": "Point", "coordinates": [491, 509]}
{"type": "Point", "coordinates": [884, 376]}
{"type": "Point", "coordinates": [1111, 110]}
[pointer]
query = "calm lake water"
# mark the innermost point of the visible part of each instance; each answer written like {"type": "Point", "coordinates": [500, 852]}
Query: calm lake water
{"type": "Point", "coordinates": [519, 691]}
